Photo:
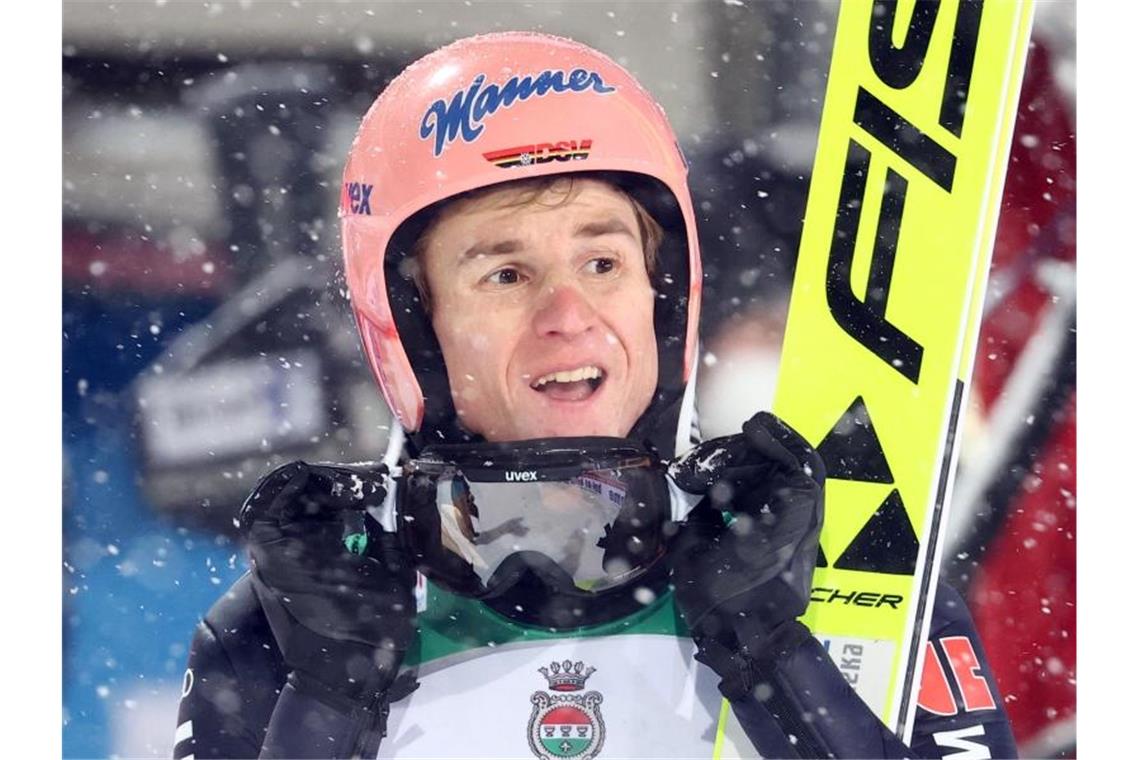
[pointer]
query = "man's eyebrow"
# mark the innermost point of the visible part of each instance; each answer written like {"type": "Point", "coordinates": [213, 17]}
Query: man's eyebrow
{"type": "Point", "coordinates": [481, 249]}
{"type": "Point", "coordinates": [611, 226]}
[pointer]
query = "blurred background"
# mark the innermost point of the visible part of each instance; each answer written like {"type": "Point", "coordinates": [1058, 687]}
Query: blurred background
{"type": "Point", "coordinates": [206, 336]}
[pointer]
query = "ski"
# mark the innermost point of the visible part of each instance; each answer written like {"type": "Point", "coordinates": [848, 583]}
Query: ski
{"type": "Point", "coordinates": [884, 314]}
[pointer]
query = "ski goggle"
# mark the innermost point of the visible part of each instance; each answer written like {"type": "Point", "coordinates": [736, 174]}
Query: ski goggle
{"type": "Point", "coordinates": [577, 516]}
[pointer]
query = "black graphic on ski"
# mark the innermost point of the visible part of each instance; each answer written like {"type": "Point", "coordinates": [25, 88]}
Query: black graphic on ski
{"type": "Point", "coordinates": [851, 449]}
{"type": "Point", "coordinates": [886, 544]}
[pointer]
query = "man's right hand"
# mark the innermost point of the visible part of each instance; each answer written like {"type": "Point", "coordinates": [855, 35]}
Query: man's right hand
{"type": "Point", "coordinates": [337, 590]}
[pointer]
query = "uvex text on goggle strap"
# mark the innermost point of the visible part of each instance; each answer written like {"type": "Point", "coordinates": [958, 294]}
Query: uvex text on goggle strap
{"type": "Point", "coordinates": [571, 517]}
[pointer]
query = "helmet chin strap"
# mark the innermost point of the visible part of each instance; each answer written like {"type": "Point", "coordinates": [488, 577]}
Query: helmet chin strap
{"type": "Point", "coordinates": [385, 514]}
{"type": "Point", "coordinates": [688, 424]}
{"type": "Point", "coordinates": [395, 445]}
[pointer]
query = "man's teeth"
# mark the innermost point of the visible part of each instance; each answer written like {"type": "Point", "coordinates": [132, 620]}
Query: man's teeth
{"type": "Point", "coordinates": [569, 376]}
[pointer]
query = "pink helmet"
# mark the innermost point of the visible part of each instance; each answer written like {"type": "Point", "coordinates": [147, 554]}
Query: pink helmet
{"type": "Point", "coordinates": [482, 111]}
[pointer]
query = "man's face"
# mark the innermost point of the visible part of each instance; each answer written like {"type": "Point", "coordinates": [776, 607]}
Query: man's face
{"type": "Point", "coordinates": [544, 312]}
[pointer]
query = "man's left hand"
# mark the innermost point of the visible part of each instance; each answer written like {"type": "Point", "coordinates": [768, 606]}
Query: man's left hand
{"type": "Point", "coordinates": [742, 562]}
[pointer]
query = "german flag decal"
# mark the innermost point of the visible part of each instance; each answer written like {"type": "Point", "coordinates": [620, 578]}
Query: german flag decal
{"type": "Point", "coordinates": [540, 153]}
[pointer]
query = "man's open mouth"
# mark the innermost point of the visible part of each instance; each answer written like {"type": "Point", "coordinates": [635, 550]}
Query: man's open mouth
{"type": "Point", "coordinates": [571, 385]}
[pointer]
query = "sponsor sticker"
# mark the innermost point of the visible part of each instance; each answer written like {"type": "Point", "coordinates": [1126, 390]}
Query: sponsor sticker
{"type": "Point", "coordinates": [356, 198]}
{"type": "Point", "coordinates": [865, 664]}
{"type": "Point", "coordinates": [461, 117]}
{"type": "Point", "coordinates": [540, 153]}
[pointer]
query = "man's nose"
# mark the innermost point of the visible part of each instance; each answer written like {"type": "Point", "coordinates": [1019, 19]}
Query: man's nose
{"type": "Point", "coordinates": [564, 310]}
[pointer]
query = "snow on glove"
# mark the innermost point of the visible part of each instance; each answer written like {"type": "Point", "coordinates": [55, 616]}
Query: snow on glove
{"type": "Point", "coordinates": [336, 588]}
{"type": "Point", "coordinates": [741, 563]}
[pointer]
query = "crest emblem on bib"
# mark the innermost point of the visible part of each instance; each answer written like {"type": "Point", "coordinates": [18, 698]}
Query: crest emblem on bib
{"type": "Point", "coordinates": [566, 724]}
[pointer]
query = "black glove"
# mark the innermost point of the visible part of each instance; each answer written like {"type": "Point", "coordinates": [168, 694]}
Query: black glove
{"type": "Point", "coordinates": [742, 561]}
{"type": "Point", "coordinates": [742, 564]}
{"type": "Point", "coordinates": [337, 590]}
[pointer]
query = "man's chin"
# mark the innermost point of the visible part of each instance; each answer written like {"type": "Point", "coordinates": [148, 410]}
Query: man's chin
{"type": "Point", "coordinates": [558, 426]}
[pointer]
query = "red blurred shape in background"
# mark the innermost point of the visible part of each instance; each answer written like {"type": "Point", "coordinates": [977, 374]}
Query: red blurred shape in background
{"type": "Point", "coordinates": [1024, 594]}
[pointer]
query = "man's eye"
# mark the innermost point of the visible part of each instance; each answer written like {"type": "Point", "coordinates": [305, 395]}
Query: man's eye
{"type": "Point", "coordinates": [504, 277]}
{"type": "Point", "coordinates": [602, 265]}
